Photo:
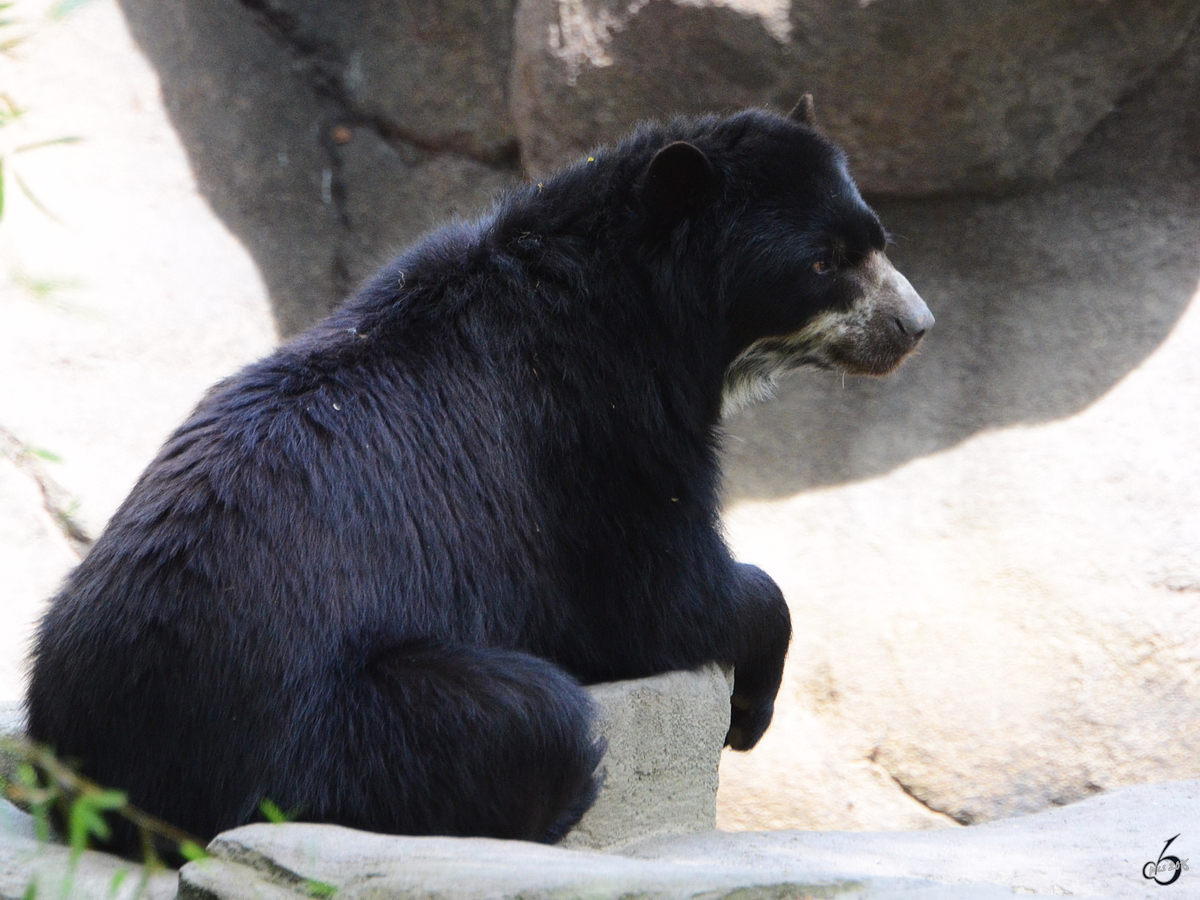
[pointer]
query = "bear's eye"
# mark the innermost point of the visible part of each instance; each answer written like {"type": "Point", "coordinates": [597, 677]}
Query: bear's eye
{"type": "Point", "coordinates": [822, 267]}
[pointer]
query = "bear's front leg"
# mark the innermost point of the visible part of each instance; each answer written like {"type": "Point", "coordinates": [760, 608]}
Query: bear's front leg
{"type": "Point", "coordinates": [761, 631]}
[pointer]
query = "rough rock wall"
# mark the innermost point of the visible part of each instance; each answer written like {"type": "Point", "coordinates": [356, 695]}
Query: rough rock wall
{"type": "Point", "coordinates": [329, 135]}
{"type": "Point", "coordinates": [927, 96]}
{"type": "Point", "coordinates": [993, 558]}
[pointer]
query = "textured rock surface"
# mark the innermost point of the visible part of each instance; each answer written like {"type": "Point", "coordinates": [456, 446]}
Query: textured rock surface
{"type": "Point", "coordinates": [393, 193]}
{"type": "Point", "coordinates": [926, 96]}
{"type": "Point", "coordinates": [992, 558]}
{"type": "Point", "coordinates": [584, 71]}
{"type": "Point", "coordinates": [1097, 848]}
{"type": "Point", "coordinates": [296, 120]}
{"type": "Point", "coordinates": [664, 737]}
{"type": "Point", "coordinates": [34, 553]}
{"type": "Point", "coordinates": [432, 73]}
{"type": "Point", "coordinates": [95, 876]}
{"type": "Point", "coordinates": [264, 862]}
{"type": "Point", "coordinates": [257, 137]}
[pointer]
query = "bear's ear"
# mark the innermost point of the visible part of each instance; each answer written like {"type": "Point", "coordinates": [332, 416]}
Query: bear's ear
{"type": "Point", "coordinates": [678, 182]}
{"type": "Point", "coordinates": [804, 112]}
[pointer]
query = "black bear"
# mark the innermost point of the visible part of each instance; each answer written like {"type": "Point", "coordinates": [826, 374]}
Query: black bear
{"type": "Point", "coordinates": [368, 576]}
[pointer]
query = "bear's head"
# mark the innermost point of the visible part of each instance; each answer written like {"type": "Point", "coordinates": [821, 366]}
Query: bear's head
{"type": "Point", "coordinates": [804, 279]}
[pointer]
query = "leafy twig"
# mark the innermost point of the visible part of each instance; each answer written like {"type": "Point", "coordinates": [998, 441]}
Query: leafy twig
{"type": "Point", "coordinates": [84, 804]}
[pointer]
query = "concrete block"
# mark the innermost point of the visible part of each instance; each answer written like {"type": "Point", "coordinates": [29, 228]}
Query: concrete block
{"type": "Point", "coordinates": [664, 736]}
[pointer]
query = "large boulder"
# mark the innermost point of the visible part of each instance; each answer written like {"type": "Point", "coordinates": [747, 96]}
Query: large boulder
{"type": "Point", "coordinates": [926, 96]}
{"type": "Point", "coordinates": [289, 862]}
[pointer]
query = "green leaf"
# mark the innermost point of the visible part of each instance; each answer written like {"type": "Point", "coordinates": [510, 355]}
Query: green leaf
{"type": "Point", "coordinates": [41, 819]}
{"type": "Point", "coordinates": [274, 814]}
{"type": "Point", "coordinates": [79, 828]}
{"type": "Point", "coordinates": [192, 852]}
{"type": "Point", "coordinates": [30, 892]}
{"type": "Point", "coordinates": [87, 819]}
{"type": "Point", "coordinates": [321, 889]}
{"type": "Point", "coordinates": [45, 454]}
{"type": "Point", "coordinates": [109, 799]}
{"type": "Point", "coordinates": [118, 879]}
{"type": "Point", "coordinates": [27, 776]}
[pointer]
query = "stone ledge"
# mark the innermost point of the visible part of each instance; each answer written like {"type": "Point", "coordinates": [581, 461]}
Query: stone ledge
{"type": "Point", "coordinates": [24, 860]}
{"type": "Point", "coordinates": [283, 862]}
{"type": "Point", "coordinates": [1095, 848]}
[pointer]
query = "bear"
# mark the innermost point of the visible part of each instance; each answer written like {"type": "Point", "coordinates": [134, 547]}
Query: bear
{"type": "Point", "coordinates": [370, 575]}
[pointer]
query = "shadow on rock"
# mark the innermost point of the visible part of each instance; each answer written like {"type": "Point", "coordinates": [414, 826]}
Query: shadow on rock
{"type": "Point", "coordinates": [290, 127]}
{"type": "Point", "coordinates": [1044, 301]}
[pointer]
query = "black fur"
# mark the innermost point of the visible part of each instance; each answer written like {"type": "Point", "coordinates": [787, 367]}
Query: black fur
{"type": "Point", "coordinates": [366, 578]}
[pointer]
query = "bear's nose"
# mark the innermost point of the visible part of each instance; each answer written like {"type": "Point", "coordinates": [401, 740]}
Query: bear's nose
{"type": "Point", "coordinates": [915, 319]}
{"type": "Point", "coordinates": [909, 311]}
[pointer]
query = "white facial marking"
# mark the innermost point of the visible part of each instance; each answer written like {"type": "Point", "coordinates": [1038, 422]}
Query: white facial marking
{"type": "Point", "coordinates": [861, 339]}
{"type": "Point", "coordinates": [752, 376]}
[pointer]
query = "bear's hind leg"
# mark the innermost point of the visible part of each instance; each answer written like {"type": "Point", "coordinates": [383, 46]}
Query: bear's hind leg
{"type": "Point", "coordinates": [462, 741]}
